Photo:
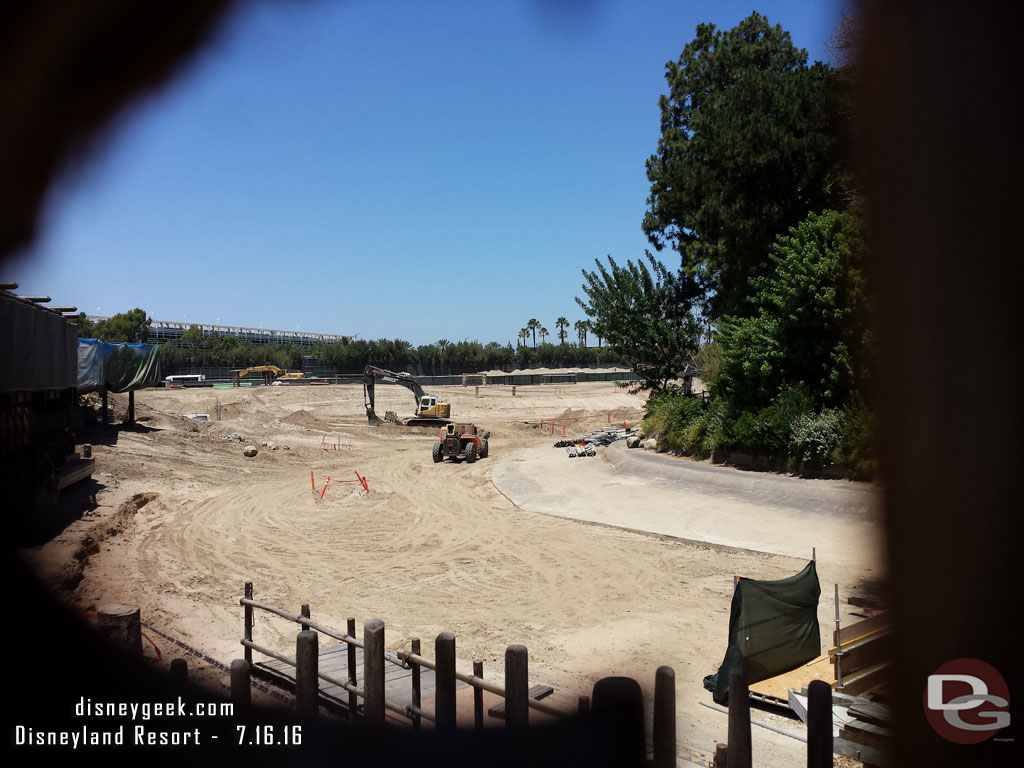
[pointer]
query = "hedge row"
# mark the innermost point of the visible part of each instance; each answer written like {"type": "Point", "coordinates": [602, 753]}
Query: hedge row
{"type": "Point", "coordinates": [789, 431]}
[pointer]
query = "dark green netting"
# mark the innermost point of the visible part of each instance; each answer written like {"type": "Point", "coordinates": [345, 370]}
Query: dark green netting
{"type": "Point", "coordinates": [104, 365]}
{"type": "Point", "coordinates": [773, 628]}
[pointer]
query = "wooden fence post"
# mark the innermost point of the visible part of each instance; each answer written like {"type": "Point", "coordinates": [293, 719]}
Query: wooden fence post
{"type": "Point", "coordinates": [417, 691]}
{"type": "Point", "coordinates": [517, 687]}
{"type": "Point", "coordinates": [121, 625]}
{"type": "Point", "coordinates": [721, 755]}
{"type": "Point", "coordinates": [665, 718]}
{"type": "Point", "coordinates": [307, 680]}
{"type": "Point", "coordinates": [353, 699]}
{"type": "Point", "coordinates": [444, 701]}
{"type": "Point", "coordinates": [241, 689]}
{"type": "Point", "coordinates": [819, 724]}
{"type": "Point", "coordinates": [373, 672]}
{"type": "Point", "coordinates": [247, 633]}
{"type": "Point", "coordinates": [739, 720]}
{"type": "Point", "coordinates": [478, 696]}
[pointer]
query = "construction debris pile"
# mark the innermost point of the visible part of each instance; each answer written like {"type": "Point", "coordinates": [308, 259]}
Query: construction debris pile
{"type": "Point", "coordinates": [586, 446]}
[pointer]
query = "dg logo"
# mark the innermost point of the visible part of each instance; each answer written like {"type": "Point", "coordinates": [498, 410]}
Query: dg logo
{"type": "Point", "coordinates": [967, 701]}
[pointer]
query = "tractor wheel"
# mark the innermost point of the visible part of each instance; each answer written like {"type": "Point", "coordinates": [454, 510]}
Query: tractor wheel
{"type": "Point", "coordinates": [483, 447]}
{"type": "Point", "coordinates": [470, 453]}
{"type": "Point", "coordinates": [438, 456]}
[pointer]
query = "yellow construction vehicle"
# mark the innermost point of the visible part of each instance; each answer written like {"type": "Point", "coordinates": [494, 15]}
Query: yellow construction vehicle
{"type": "Point", "coordinates": [271, 374]}
{"type": "Point", "coordinates": [429, 410]}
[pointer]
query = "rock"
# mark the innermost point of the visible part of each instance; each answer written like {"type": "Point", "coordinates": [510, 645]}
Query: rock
{"type": "Point", "coordinates": [269, 444]}
{"type": "Point", "coordinates": [650, 444]}
{"type": "Point", "coordinates": [641, 434]}
{"type": "Point", "coordinates": [633, 442]}
{"type": "Point", "coordinates": [250, 451]}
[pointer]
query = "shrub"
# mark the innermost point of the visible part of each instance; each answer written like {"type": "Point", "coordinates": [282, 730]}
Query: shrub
{"type": "Point", "coordinates": [857, 449]}
{"type": "Point", "coordinates": [815, 437]}
{"type": "Point", "coordinates": [706, 433]}
{"type": "Point", "coordinates": [768, 431]}
{"type": "Point", "coordinates": [669, 412]}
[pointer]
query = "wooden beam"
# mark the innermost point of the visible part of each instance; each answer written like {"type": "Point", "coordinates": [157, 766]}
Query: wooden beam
{"type": "Point", "coordinates": [861, 628]}
{"type": "Point", "coordinates": [865, 653]}
{"type": "Point", "coordinates": [866, 679]}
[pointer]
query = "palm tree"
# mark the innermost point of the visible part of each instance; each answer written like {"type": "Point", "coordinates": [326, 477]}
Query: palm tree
{"type": "Point", "coordinates": [524, 334]}
{"type": "Point", "coordinates": [534, 325]}
{"type": "Point", "coordinates": [561, 324]}
{"type": "Point", "coordinates": [543, 334]}
{"type": "Point", "coordinates": [581, 327]}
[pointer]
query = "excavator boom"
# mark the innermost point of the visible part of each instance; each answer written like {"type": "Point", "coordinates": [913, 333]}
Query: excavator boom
{"type": "Point", "coordinates": [428, 410]}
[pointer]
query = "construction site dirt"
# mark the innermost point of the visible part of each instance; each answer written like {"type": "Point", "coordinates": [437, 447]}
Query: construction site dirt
{"type": "Point", "coordinates": [503, 550]}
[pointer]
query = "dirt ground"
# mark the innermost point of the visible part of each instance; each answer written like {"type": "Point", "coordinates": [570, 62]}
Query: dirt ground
{"type": "Point", "coordinates": [182, 519]}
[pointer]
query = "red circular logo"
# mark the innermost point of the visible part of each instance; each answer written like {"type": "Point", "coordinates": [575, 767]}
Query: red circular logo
{"type": "Point", "coordinates": [967, 701]}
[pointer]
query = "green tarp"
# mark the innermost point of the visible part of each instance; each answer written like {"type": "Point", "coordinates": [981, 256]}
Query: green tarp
{"type": "Point", "coordinates": [773, 628]}
{"type": "Point", "coordinates": [104, 365]}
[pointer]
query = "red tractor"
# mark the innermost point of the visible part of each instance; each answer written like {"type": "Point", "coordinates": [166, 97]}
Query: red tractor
{"type": "Point", "coordinates": [461, 441]}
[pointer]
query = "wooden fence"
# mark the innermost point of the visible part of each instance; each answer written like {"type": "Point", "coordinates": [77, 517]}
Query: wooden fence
{"type": "Point", "coordinates": [367, 702]}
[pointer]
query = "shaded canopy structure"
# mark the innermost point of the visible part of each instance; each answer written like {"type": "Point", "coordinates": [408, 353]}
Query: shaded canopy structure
{"type": "Point", "coordinates": [773, 628]}
{"type": "Point", "coordinates": [105, 366]}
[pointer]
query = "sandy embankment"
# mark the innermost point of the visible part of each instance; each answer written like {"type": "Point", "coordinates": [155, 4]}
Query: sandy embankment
{"type": "Point", "coordinates": [431, 548]}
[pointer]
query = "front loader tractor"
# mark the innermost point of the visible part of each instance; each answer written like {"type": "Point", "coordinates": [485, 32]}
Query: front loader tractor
{"type": "Point", "coordinates": [461, 441]}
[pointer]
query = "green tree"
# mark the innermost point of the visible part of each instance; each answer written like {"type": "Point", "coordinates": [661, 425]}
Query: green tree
{"type": "Point", "coordinates": [561, 324]}
{"type": "Point", "coordinates": [746, 151]}
{"type": "Point", "coordinates": [809, 325]}
{"type": "Point", "coordinates": [125, 326]}
{"type": "Point", "coordinates": [192, 335]}
{"type": "Point", "coordinates": [544, 332]}
{"type": "Point", "coordinates": [86, 329]}
{"type": "Point", "coordinates": [644, 313]}
{"type": "Point", "coordinates": [524, 334]}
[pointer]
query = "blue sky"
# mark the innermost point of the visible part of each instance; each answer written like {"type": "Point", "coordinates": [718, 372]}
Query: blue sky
{"type": "Point", "coordinates": [414, 170]}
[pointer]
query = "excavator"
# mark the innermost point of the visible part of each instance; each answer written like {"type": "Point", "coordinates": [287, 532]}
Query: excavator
{"type": "Point", "coordinates": [271, 374]}
{"type": "Point", "coordinates": [429, 412]}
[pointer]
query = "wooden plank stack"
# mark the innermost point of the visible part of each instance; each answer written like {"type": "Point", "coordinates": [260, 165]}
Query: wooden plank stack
{"type": "Point", "coordinates": [860, 653]}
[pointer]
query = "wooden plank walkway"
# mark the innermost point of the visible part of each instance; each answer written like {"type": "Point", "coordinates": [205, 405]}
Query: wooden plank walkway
{"type": "Point", "coordinates": [333, 661]}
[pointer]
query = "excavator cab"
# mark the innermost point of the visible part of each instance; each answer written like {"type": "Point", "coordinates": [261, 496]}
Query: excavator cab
{"type": "Point", "coordinates": [430, 407]}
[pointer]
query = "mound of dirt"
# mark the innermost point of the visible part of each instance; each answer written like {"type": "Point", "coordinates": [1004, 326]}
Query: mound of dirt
{"type": "Point", "coordinates": [303, 418]}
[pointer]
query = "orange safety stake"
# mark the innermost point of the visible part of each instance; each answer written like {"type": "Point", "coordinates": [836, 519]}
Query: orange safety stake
{"type": "Point", "coordinates": [362, 481]}
{"type": "Point", "coordinates": [325, 486]}
{"type": "Point", "coordinates": [312, 481]}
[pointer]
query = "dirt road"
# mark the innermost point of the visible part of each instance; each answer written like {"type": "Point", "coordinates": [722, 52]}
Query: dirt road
{"type": "Point", "coordinates": [430, 548]}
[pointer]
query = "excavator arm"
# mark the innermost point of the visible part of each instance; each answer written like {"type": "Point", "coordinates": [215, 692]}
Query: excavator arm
{"type": "Point", "coordinates": [270, 372]}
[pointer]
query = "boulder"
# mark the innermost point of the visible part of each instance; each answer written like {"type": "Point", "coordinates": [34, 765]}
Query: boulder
{"type": "Point", "coordinates": [650, 444]}
{"type": "Point", "coordinates": [250, 451]}
{"type": "Point", "coordinates": [633, 442]}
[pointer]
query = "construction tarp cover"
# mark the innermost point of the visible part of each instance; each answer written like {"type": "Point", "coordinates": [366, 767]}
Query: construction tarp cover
{"type": "Point", "coordinates": [116, 367]}
{"type": "Point", "coordinates": [773, 628]}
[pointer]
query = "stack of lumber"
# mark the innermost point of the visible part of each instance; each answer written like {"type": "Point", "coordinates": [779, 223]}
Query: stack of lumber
{"type": "Point", "coordinates": [861, 654]}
